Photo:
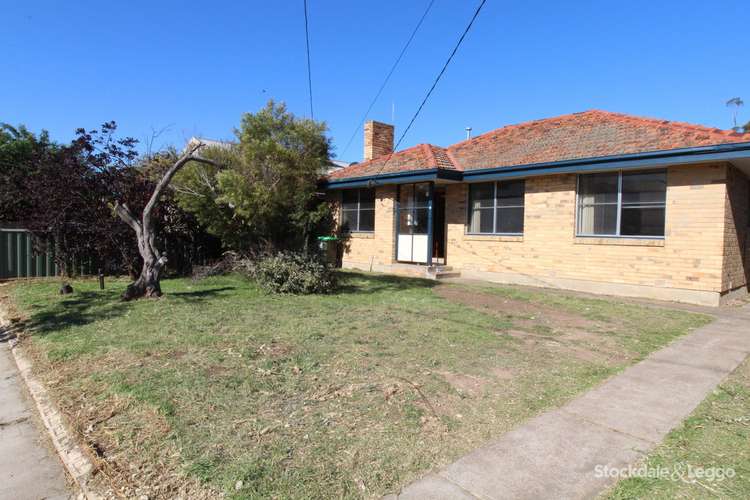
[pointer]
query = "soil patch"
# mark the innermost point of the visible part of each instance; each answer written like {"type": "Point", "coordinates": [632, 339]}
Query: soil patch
{"type": "Point", "coordinates": [541, 326]}
{"type": "Point", "coordinates": [522, 309]}
{"type": "Point", "coordinates": [464, 383]}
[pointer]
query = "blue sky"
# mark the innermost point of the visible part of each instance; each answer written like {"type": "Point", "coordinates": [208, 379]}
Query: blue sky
{"type": "Point", "coordinates": [195, 67]}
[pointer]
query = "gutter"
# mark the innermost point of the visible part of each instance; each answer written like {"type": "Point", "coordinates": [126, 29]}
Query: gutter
{"type": "Point", "coordinates": [408, 177]}
{"type": "Point", "coordinates": [652, 159]}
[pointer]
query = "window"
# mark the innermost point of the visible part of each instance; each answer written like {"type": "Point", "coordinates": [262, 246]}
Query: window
{"type": "Point", "coordinates": [622, 204]}
{"type": "Point", "coordinates": [496, 207]}
{"type": "Point", "coordinates": [358, 210]}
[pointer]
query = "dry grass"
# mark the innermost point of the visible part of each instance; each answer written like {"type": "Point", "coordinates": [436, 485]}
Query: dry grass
{"type": "Point", "coordinates": [218, 387]}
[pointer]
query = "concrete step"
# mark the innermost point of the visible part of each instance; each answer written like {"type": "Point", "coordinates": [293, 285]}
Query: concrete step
{"type": "Point", "coordinates": [448, 274]}
{"type": "Point", "coordinates": [439, 272]}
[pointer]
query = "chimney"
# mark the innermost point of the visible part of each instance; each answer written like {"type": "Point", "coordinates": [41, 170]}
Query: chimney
{"type": "Point", "coordinates": [378, 139]}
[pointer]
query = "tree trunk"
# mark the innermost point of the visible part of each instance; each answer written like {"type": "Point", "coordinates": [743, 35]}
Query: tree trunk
{"type": "Point", "coordinates": [148, 283]}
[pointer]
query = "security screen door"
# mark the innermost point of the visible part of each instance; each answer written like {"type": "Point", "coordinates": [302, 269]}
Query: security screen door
{"type": "Point", "coordinates": [413, 231]}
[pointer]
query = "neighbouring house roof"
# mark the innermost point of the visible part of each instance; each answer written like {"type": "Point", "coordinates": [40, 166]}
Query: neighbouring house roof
{"type": "Point", "coordinates": [587, 135]}
{"type": "Point", "coordinates": [334, 165]}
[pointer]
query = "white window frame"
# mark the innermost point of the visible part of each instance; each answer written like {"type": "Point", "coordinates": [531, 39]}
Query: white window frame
{"type": "Point", "coordinates": [359, 210]}
{"type": "Point", "coordinates": [494, 208]}
{"type": "Point", "coordinates": [619, 207]}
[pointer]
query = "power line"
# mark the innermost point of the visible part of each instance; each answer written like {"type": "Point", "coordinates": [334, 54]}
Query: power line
{"type": "Point", "coordinates": [445, 66]}
{"type": "Point", "coordinates": [434, 84]}
{"type": "Point", "coordinates": [385, 82]}
{"type": "Point", "coordinates": [309, 73]}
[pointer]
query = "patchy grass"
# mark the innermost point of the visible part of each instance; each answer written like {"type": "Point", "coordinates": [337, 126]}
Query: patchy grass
{"type": "Point", "coordinates": [714, 438]}
{"type": "Point", "coordinates": [220, 387]}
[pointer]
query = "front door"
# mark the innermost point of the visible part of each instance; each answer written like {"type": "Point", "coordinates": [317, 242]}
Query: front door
{"type": "Point", "coordinates": [438, 226]}
{"type": "Point", "coordinates": [413, 223]}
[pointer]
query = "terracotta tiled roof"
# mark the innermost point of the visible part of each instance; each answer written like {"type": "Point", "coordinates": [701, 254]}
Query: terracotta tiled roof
{"type": "Point", "coordinates": [583, 135]}
{"type": "Point", "coordinates": [420, 157]}
{"type": "Point", "coordinates": [589, 134]}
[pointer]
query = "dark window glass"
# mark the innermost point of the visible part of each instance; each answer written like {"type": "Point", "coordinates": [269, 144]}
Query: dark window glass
{"type": "Point", "coordinates": [421, 194]}
{"type": "Point", "coordinates": [413, 220]}
{"type": "Point", "coordinates": [598, 188]}
{"type": "Point", "coordinates": [350, 199]}
{"type": "Point", "coordinates": [644, 187]}
{"type": "Point", "coordinates": [638, 198]}
{"type": "Point", "coordinates": [642, 221]}
{"type": "Point", "coordinates": [510, 193]}
{"type": "Point", "coordinates": [358, 210]}
{"type": "Point", "coordinates": [496, 208]}
{"type": "Point", "coordinates": [367, 220]}
{"type": "Point", "coordinates": [349, 220]}
{"type": "Point", "coordinates": [481, 195]}
{"type": "Point", "coordinates": [509, 220]}
{"type": "Point", "coordinates": [366, 199]}
{"type": "Point", "coordinates": [420, 220]}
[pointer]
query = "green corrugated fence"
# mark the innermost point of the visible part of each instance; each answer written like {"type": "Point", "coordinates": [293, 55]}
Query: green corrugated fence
{"type": "Point", "coordinates": [18, 259]}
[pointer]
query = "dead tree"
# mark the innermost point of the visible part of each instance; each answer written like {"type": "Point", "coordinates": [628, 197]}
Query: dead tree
{"type": "Point", "coordinates": [147, 284]}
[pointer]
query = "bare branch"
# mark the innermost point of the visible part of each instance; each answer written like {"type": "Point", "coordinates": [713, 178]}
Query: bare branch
{"type": "Point", "coordinates": [126, 215]}
{"type": "Point", "coordinates": [190, 155]}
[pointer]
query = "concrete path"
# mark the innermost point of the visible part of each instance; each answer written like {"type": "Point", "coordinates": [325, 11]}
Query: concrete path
{"type": "Point", "coordinates": [556, 454]}
{"type": "Point", "coordinates": [29, 467]}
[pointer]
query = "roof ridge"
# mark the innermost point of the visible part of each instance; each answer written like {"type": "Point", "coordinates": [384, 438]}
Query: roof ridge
{"type": "Point", "coordinates": [394, 153]}
{"type": "Point", "coordinates": [427, 148]}
{"type": "Point", "coordinates": [456, 164]}
{"type": "Point", "coordinates": [663, 121]}
{"type": "Point", "coordinates": [447, 157]}
{"type": "Point", "coordinates": [391, 154]}
{"type": "Point", "coordinates": [517, 125]}
{"type": "Point", "coordinates": [620, 116]}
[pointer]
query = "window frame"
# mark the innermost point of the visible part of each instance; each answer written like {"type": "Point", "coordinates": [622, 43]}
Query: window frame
{"type": "Point", "coordinates": [494, 208]}
{"type": "Point", "coordinates": [412, 206]}
{"type": "Point", "coordinates": [358, 211]}
{"type": "Point", "coordinates": [619, 206]}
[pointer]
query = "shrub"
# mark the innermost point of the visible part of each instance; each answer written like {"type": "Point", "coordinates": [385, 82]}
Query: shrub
{"type": "Point", "coordinates": [294, 273]}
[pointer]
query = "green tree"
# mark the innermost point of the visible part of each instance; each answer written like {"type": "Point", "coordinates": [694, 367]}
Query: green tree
{"type": "Point", "coordinates": [265, 195]}
{"type": "Point", "coordinates": [20, 154]}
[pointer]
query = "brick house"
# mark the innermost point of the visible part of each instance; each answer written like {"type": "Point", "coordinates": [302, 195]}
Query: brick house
{"type": "Point", "coordinates": [595, 201]}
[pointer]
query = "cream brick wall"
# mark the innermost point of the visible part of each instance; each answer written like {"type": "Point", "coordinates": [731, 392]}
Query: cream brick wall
{"type": "Point", "coordinates": [377, 249]}
{"type": "Point", "coordinates": [689, 257]}
{"type": "Point", "coordinates": [692, 257]}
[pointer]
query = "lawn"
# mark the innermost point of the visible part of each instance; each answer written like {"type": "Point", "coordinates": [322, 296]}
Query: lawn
{"type": "Point", "coordinates": [714, 439]}
{"type": "Point", "coordinates": [219, 387]}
